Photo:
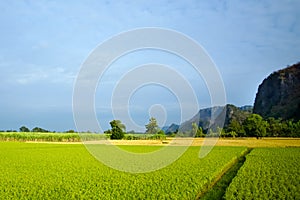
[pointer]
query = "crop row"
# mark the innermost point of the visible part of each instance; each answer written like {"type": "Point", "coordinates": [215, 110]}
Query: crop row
{"type": "Point", "coordinates": [68, 171]}
{"type": "Point", "coordinates": [268, 173]}
{"type": "Point", "coordinates": [49, 137]}
{"type": "Point", "coordinates": [70, 137]}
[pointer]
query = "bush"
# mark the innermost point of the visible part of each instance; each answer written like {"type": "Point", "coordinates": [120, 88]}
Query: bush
{"type": "Point", "coordinates": [157, 137]}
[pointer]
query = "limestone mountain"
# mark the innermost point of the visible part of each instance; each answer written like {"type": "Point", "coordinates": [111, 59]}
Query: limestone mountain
{"type": "Point", "coordinates": [278, 95]}
{"type": "Point", "coordinates": [222, 116]}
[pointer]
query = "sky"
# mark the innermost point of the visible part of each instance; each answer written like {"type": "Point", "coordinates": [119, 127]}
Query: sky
{"type": "Point", "coordinates": [45, 43]}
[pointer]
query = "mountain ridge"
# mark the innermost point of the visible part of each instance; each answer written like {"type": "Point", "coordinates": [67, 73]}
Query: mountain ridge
{"type": "Point", "coordinates": [212, 117]}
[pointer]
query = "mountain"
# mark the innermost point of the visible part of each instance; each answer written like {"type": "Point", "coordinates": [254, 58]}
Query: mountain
{"type": "Point", "coordinates": [278, 95]}
{"type": "Point", "coordinates": [247, 108]}
{"type": "Point", "coordinates": [218, 116]}
{"type": "Point", "coordinates": [173, 128]}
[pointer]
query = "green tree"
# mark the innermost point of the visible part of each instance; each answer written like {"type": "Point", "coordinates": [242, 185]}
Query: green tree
{"type": "Point", "coordinates": [107, 131]}
{"type": "Point", "coordinates": [235, 126]}
{"type": "Point", "coordinates": [199, 132]}
{"type": "Point", "coordinates": [296, 132]}
{"type": "Point", "coordinates": [117, 123]}
{"type": "Point", "coordinates": [117, 130]}
{"type": "Point", "coordinates": [232, 134]}
{"type": "Point", "coordinates": [24, 129]}
{"type": "Point", "coordinates": [255, 126]}
{"type": "Point", "coordinates": [194, 129]}
{"type": "Point", "coordinates": [152, 127]}
{"type": "Point", "coordinates": [287, 128]}
{"type": "Point", "coordinates": [40, 130]}
{"type": "Point", "coordinates": [274, 127]}
{"type": "Point", "coordinates": [70, 131]}
{"type": "Point", "coordinates": [220, 131]}
{"type": "Point", "coordinates": [161, 132]}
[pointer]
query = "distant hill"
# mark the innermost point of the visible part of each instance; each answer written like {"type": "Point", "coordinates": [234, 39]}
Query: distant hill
{"type": "Point", "coordinates": [203, 119]}
{"type": "Point", "coordinates": [278, 95]}
{"type": "Point", "coordinates": [223, 116]}
{"type": "Point", "coordinates": [173, 128]}
{"type": "Point", "coordinates": [247, 108]}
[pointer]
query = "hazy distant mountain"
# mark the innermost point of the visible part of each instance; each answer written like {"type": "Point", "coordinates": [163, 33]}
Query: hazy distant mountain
{"type": "Point", "coordinates": [247, 108]}
{"type": "Point", "coordinates": [219, 116]}
{"type": "Point", "coordinates": [279, 94]}
{"type": "Point", "coordinates": [205, 118]}
{"type": "Point", "coordinates": [173, 128]}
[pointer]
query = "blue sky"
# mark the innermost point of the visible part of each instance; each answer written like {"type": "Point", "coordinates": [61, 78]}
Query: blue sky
{"type": "Point", "coordinates": [44, 43]}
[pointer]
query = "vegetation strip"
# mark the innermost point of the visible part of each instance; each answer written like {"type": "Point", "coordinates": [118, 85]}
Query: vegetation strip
{"type": "Point", "coordinates": [70, 137]}
{"type": "Point", "coordinates": [217, 189]}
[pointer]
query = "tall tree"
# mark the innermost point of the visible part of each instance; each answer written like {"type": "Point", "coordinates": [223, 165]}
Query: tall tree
{"type": "Point", "coordinates": [117, 123]}
{"type": "Point", "coordinates": [117, 130]}
{"type": "Point", "coordinates": [152, 127]}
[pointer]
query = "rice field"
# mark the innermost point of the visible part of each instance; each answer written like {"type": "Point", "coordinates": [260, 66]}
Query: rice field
{"type": "Point", "coordinates": [69, 171]}
{"type": "Point", "coordinates": [268, 173]}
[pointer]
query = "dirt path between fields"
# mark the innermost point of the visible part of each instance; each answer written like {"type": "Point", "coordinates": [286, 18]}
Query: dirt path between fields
{"type": "Point", "coordinates": [217, 189]}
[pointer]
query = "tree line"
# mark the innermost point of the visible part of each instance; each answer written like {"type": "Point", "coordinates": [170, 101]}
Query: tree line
{"type": "Point", "coordinates": [254, 126]}
{"type": "Point", "coordinates": [117, 131]}
{"type": "Point", "coordinates": [25, 129]}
